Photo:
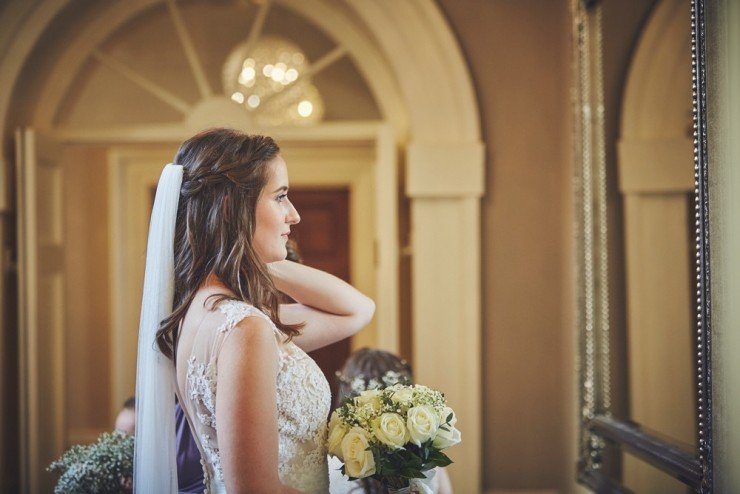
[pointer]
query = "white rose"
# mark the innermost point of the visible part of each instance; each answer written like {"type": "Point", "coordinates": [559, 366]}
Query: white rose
{"type": "Point", "coordinates": [402, 395]}
{"type": "Point", "coordinates": [358, 461]}
{"type": "Point", "coordinates": [446, 438]}
{"type": "Point", "coordinates": [422, 422]}
{"type": "Point", "coordinates": [337, 431]}
{"type": "Point", "coordinates": [390, 430]}
{"type": "Point", "coordinates": [446, 411]}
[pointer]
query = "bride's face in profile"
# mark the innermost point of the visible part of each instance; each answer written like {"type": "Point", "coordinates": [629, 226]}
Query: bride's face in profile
{"type": "Point", "coordinates": [275, 214]}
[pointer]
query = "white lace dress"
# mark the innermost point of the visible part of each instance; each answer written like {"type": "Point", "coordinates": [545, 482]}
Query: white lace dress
{"type": "Point", "coordinates": [303, 401]}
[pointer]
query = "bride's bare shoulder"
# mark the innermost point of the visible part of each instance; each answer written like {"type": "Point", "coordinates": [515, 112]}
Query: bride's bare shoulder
{"type": "Point", "coordinates": [250, 344]}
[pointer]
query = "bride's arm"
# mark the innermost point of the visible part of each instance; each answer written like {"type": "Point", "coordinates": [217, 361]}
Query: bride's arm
{"type": "Point", "coordinates": [331, 309]}
{"type": "Point", "coordinates": [246, 409]}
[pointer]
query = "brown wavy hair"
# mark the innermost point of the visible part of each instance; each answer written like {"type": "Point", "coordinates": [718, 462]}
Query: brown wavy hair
{"type": "Point", "coordinates": [224, 172]}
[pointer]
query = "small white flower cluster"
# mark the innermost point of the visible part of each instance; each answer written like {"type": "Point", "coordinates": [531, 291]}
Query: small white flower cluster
{"type": "Point", "coordinates": [380, 422]}
{"type": "Point", "coordinates": [359, 383]}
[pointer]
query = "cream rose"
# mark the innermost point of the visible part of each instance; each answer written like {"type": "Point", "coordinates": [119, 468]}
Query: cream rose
{"type": "Point", "coordinates": [446, 438]}
{"type": "Point", "coordinates": [358, 461]}
{"type": "Point", "coordinates": [403, 395]}
{"type": "Point", "coordinates": [370, 397]}
{"type": "Point", "coordinates": [390, 430]}
{"type": "Point", "coordinates": [422, 422]}
{"type": "Point", "coordinates": [334, 419]}
{"type": "Point", "coordinates": [337, 431]}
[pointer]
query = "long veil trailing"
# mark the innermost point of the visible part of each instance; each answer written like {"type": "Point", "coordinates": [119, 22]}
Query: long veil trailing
{"type": "Point", "coordinates": [155, 467]}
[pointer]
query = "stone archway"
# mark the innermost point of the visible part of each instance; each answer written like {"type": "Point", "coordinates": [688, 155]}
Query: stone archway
{"type": "Point", "coordinates": [413, 64]}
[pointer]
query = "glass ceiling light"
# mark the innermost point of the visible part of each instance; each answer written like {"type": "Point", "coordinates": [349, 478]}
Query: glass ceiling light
{"type": "Point", "coordinates": [270, 82]}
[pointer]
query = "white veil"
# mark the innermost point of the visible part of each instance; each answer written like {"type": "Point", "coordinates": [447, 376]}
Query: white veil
{"type": "Point", "coordinates": [155, 467]}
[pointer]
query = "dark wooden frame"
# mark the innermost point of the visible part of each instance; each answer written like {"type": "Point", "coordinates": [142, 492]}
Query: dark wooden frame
{"type": "Point", "coordinates": [694, 468]}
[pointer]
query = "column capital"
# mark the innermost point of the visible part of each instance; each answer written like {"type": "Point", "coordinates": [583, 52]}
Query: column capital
{"type": "Point", "coordinates": [445, 170]}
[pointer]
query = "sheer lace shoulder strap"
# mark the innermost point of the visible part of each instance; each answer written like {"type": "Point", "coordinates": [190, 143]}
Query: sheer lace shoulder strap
{"type": "Point", "coordinates": [236, 310]}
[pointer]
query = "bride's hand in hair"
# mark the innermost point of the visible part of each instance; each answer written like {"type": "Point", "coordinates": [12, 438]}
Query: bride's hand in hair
{"type": "Point", "coordinates": [330, 308]}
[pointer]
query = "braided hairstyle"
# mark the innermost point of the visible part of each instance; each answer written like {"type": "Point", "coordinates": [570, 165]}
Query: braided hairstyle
{"type": "Point", "coordinates": [224, 172]}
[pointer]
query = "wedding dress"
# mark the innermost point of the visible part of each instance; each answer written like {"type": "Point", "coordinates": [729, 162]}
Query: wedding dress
{"type": "Point", "coordinates": [303, 401]}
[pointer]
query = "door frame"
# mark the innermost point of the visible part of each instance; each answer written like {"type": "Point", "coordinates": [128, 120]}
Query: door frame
{"type": "Point", "coordinates": [34, 151]}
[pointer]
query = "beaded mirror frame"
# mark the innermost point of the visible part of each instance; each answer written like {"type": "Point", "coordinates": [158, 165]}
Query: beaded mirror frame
{"type": "Point", "coordinates": [598, 428]}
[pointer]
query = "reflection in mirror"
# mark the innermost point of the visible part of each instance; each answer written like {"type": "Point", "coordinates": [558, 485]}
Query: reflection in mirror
{"type": "Point", "coordinates": [655, 187]}
{"type": "Point", "coordinates": [637, 483]}
{"type": "Point", "coordinates": [638, 234]}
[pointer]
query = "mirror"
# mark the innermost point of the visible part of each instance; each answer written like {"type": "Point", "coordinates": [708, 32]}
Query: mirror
{"type": "Point", "coordinates": [642, 246]}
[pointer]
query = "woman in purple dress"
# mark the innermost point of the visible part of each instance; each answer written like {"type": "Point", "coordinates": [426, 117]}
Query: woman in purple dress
{"type": "Point", "coordinates": [189, 469]}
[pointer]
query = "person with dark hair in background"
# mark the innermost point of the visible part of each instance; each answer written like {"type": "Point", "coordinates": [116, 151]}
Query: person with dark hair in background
{"type": "Point", "coordinates": [126, 418]}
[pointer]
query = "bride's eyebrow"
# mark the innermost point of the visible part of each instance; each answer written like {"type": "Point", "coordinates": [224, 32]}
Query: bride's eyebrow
{"type": "Point", "coordinates": [284, 188]}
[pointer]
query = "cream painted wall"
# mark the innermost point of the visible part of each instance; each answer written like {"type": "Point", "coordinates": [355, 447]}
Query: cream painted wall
{"type": "Point", "coordinates": [519, 55]}
{"type": "Point", "coordinates": [723, 41]}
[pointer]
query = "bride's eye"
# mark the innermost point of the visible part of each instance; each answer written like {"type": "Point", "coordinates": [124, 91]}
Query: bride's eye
{"type": "Point", "coordinates": [281, 197]}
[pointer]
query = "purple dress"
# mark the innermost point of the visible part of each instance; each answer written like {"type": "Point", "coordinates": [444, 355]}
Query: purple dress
{"type": "Point", "coordinates": [189, 469]}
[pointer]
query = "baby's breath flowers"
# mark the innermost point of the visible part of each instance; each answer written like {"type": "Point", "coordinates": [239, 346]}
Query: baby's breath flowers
{"type": "Point", "coordinates": [393, 434]}
{"type": "Point", "coordinates": [106, 466]}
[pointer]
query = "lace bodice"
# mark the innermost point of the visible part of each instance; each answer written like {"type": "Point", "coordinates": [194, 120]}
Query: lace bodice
{"type": "Point", "coordinates": [303, 401]}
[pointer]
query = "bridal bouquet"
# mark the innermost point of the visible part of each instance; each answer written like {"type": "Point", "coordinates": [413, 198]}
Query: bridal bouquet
{"type": "Point", "coordinates": [393, 434]}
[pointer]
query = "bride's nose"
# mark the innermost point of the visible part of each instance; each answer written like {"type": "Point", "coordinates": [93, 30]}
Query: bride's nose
{"type": "Point", "coordinates": [293, 217]}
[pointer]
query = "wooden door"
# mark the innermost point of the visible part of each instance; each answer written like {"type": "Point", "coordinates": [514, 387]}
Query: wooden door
{"type": "Point", "coordinates": [41, 307]}
{"type": "Point", "coordinates": [323, 240]}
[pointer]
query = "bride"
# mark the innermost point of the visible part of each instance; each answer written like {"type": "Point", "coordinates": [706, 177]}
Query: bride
{"type": "Point", "coordinates": [213, 334]}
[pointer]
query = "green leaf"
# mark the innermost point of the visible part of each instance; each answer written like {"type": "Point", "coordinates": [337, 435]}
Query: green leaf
{"type": "Point", "coordinates": [442, 460]}
{"type": "Point", "coordinates": [411, 473]}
